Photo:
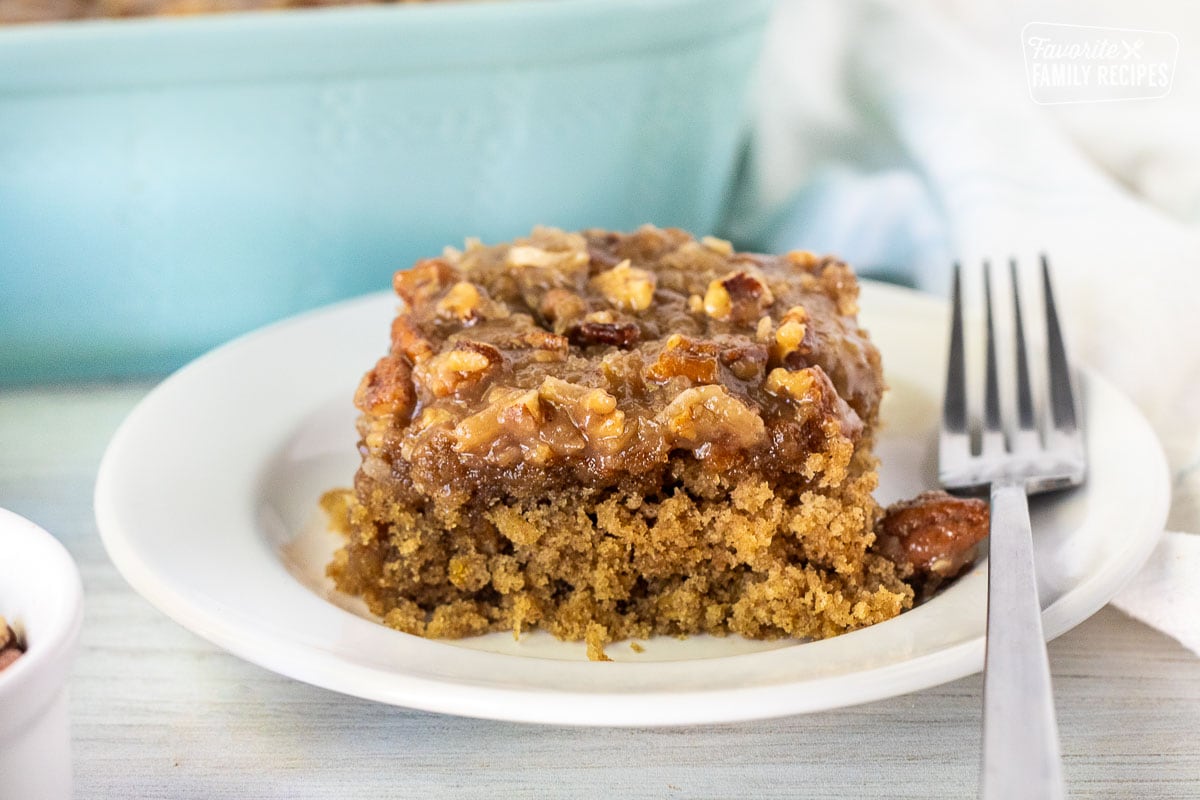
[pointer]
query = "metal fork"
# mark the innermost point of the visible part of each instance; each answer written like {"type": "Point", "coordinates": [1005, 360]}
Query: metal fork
{"type": "Point", "coordinates": [1020, 737]}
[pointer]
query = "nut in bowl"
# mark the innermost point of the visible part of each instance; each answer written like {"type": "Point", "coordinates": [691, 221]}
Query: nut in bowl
{"type": "Point", "coordinates": [41, 600]}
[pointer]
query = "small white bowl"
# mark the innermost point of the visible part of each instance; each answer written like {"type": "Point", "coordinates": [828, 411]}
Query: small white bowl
{"type": "Point", "coordinates": [41, 596]}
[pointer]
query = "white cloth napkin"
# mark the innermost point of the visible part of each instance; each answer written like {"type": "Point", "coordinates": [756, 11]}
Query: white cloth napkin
{"type": "Point", "coordinates": [903, 137]}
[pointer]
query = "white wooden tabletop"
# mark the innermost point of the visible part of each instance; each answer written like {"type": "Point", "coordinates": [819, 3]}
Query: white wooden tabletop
{"type": "Point", "coordinates": [160, 713]}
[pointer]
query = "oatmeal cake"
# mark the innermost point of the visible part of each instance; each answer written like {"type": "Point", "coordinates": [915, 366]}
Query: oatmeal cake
{"type": "Point", "coordinates": [613, 436]}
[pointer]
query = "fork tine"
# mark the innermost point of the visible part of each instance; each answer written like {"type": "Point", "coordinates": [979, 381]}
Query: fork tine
{"type": "Point", "coordinates": [954, 408]}
{"type": "Point", "coordinates": [993, 423]}
{"type": "Point", "coordinates": [1025, 416]}
{"type": "Point", "coordinates": [1062, 396]}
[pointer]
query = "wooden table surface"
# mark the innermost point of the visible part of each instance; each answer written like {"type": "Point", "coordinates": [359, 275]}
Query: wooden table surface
{"type": "Point", "coordinates": [160, 713]}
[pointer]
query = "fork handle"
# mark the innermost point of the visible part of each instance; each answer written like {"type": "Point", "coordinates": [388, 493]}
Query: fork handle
{"type": "Point", "coordinates": [1020, 737]}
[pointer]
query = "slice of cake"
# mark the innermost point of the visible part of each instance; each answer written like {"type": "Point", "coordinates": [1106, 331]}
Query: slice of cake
{"type": "Point", "coordinates": [613, 435]}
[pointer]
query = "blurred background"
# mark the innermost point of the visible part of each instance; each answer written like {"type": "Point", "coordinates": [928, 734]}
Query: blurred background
{"type": "Point", "coordinates": [167, 182]}
{"type": "Point", "coordinates": [171, 178]}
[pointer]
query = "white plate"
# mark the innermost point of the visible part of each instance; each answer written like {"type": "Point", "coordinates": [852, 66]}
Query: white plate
{"type": "Point", "coordinates": [206, 501]}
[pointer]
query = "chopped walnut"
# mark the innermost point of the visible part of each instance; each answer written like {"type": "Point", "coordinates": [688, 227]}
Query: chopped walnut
{"type": "Point", "coordinates": [546, 346]}
{"type": "Point", "coordinates": [717, 302]}
{"type": "Point", "coordinates": [626, 287]}
{"type": "Point", "coordinates": [815, 396]}
{"type": "Point", "coordinates": [838, 281]}
{"type": "Point", "coordinates": [705, 416]}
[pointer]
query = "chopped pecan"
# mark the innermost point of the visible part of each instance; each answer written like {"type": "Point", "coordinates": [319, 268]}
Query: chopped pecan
{"type": "Point", "coordinates": [626, 287]}
{"type": "Point", "coordinates": [803, 259]}
{"type": "Point", "coordinates": [814, 395]}
{"type": "Point", "coordinates": [719, 246]}
{"type": "Point", "coordinates": [561, 308]}
{"type": "Point", "coordinates": [387, 389]}
{"type": "Point", "coordinates": [705, 416]}
{"type": "Point", "coordinates": [793, 342]}
{"type": "Point", "coordinates": [739, 297]}
{"type": "Point", "coordinates": [746, 361]}
{"type": "Point", "coordinates": [418, 285]}
{"type": "Point", "coordinates": [463, 302]}
{"type": "Point", "coordinates": [466, 364]}
{"type": "Point", "coordinates": [934, 534]}
{"type": "Point", "coordinates": [564, 260]}
{"type": "Point", "coordinates": [409, 341]}
{"type": "Point", "coordinates": [510, 414]}
{"type": "Point", "coordinates": [553, 346]}
{"type": "Point", "coordinates": [797, 385]}
{"type": "Point", "coordinates": [618, 334]}
{"type": "Point", "coordinates": [688, 358]}
{"type": "Point", "coordinates": [593, 412]}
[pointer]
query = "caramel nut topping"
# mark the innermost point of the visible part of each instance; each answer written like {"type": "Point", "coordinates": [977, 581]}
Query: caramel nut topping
{"type": "Point", "coordinates": [561, 353]}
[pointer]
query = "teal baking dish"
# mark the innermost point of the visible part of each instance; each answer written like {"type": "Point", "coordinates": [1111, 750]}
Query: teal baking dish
{"type": "Point", "coordinates": [166, 184]}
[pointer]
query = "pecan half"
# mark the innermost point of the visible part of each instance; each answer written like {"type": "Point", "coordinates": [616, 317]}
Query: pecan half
{"type": "Point", "coordinates": [934, 534]}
